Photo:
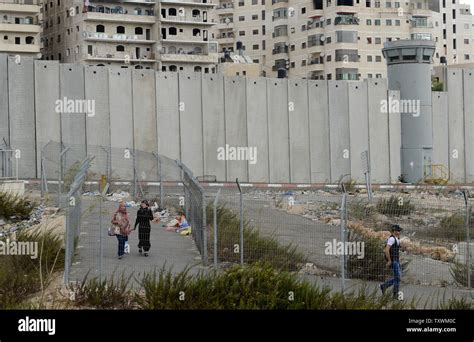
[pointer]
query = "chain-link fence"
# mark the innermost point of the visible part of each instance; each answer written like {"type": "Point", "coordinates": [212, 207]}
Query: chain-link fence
{"type": "Point", "coordinates": [335, 234]}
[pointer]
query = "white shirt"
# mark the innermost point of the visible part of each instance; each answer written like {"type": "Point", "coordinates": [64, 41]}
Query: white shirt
{"type": "Point", "coordinates": [391, 241]}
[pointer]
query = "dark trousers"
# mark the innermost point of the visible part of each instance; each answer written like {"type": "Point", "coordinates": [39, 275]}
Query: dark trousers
{"type": "Point", "coordinates": [144, 238]}
{"type": "Point", "coordinates": [121, 244]}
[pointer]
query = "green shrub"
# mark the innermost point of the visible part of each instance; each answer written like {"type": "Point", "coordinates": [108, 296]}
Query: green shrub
{"type": "Point", "coordinates": [257, 286]}
{"type": "Point", "coordinates": [395, 206]}
{"type": "Point", "coordinates": [257, 247]}
{"type": "Point", "coordinates": [360, 210]}
{"type": "Point", "coordinates": [22, 276]}
{"type": "Point", "coordinates": [15, 206]}
{"type": "Point", "coordinates": [456, 304]}
{"type": "Point", "coordinates": [451, 227]}
{"type": "Point", "coordinates": [459, 273]}
{"type": "Point", "coordinates": [373, 265]}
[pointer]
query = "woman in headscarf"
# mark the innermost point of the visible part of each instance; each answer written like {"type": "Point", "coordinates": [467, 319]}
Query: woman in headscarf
{"type": "Point", "coordinates": [122, 221]}
{"type": "Point", "coordinates": [144, 216]}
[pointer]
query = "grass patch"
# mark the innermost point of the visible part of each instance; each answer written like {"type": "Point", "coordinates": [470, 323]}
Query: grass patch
{"type": "Point", "coordinates": [459, 273]}
{"type": "Point", "coordinates": [257, 286]}
{"type": "Point", "coordinates": [360, 210]}
{"type": "Point", "coordinates": [451, 227]}
{"type": "Point", "coordinates": [257, 247]}
{"type": "Point", "coordinates": [395, 206]}
{"type": "Point", "coordinates": [14, 207]}
{"type": "Point", "coordinates": [22, 276]}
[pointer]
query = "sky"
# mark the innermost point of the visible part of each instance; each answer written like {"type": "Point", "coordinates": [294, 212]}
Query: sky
{"type": "Point", "coordinates": [469, 2]}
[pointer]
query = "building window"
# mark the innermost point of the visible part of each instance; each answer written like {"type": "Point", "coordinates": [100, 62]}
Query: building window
{"type": "Point", "coordinates": [378, 40]}
{"type": "Point", "coordinates": [255, 17]}
{"type": "Point", "coordinates": [377, 4]}
{"type": "Point", "coordinates": [377, 22]}
{"type": "Point", "coordinates": [241, 33]}
{"type": "Point", "coordinates": [242, 18]}
{"type": "Point", "coordinates": [138, 30]}
{"type": "Point", "coordinates": [120, 29]}
{"type": "Point", "coordinates": [328, 58]}
{"type": "Point", "coordinates": [68, 52]}
{"type": "Point", "coordinates": [466, 57]}
{"type": "Point", "coordinates": [255, 32]}
{"type": "Point", "coordinates": [100, 28]}
{"type": "Point", "coordinates": [369, 40]}
{"type": "Point", "coordinates": [378, 75]}
{"type": "Point", "coordinates": [172, 31]}
{"type": "Point", "coordinates": [397, 22]}
{"type": "Point", "coordinates": [378, 58]}
{"type": "Point", "coordinates": [466, 41]}
{"type": "Point", "coordinates": [328, 40]}
{"type": "Point", "coordinates": [388, 22]}
{"type": "Point", "coordinates": [173, 68]}
{"type": "Point", "coordinates": [29, 40]}
{"type": "Point", "coordinates": [196, 32]}
{"type": "Point", "coordinates": [369, 58]}
{"type": "Point", "coordinates": [368, 22]}
{"type": "Point", "coordinates": [388, 4]}
{"type": "Point", "coordinates": [369, 75]}
{"type": "Point", "coordinates": [397, 5]}
{"type": "Point", "coordinates": [303, 45]}
{"type": "Point", "coordinates": [255, 46]}
{"type": "Point", "coordinates": [303, 62]}
{"type": "Point", "coordinates": [120, 48]}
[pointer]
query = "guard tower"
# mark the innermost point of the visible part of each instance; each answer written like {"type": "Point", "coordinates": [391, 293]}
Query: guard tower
{"type": "Point", "coordinates": [409, 71]}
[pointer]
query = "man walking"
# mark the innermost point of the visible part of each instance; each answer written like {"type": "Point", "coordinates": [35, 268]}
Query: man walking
{"type": "Point", "coordinates": [144, 216]}
{"type": "Point", "coordinates": [392, 255]}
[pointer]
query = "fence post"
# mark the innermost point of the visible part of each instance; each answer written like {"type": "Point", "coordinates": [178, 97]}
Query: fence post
{"type": "Point", "coordinates": [241, 249]}
{"type": "Point", "coordinates": [204, 228]}
{"type": "Point", "coordinates": [468, 238]}
{"type": "Point", "coordinates": [343, 237]}
{"type": "Point", "coordinates": [160, 178]}
{"type": "Point", "coordinates": [60, 173]}
{"type": "Point", "coordinates": [215, 228]}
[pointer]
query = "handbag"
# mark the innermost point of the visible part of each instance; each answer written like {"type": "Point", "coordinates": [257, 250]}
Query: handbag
{"type": "Point", "coordinates": [113, 230]}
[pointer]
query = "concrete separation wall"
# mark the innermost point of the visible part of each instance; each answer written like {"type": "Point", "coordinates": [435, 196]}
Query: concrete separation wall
{"type": "Point", "coordinates": [301, 131]}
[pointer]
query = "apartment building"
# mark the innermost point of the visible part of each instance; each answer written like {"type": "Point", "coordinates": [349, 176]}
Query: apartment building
{"type": "Point", "coordinates": [339, 39]}
{"type": "Point", "coordinates": [20, 27]}
{"type": "Point", "coordinates": [142, 34]}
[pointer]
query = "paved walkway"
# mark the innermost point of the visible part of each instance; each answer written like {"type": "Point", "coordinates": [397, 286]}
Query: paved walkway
{"type": "Point", "coordinates": [167, 248]}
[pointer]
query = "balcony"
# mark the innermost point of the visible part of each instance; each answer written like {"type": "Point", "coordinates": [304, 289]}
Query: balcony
{"type": "Point", "coordinates": [138, 2]}
{"type": "Point", "coordinates": [20, 6]}
{"type": "Point", "coordinates": [116, 38]}
{"type": "Point", "coordinates": [348, 19]}
{"type": "Point", "coordinates": [226, 8]}
{"type": "Point", "coordinates": [122, 58]}
{"type": "Point", "coordinates": [187, 19]}
{"type": "Point", "coordinates": [421, 24]}
{"type": "Point", "coordinates": [279, 50]}
{"type": "Point", "coordinates": [119, 17]}
{"type": "Point", "coordinates": [203, 3]}
{"type": "Point", "coordinates": [17, 48]}
{"type": "Point", "coordinates": [26, 28]}
{"type": "Point", "coordinates": [189, 57]}
{"type": "Point", "coordinates": [313, 61]}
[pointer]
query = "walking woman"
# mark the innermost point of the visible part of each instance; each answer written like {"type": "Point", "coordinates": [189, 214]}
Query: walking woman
{"type": "Point", "coordinates": [121, 221]}
{"type": "Point", "coordinates": [144, 216]}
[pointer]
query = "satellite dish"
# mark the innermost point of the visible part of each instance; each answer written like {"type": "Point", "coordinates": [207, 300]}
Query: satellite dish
{"type": "Point", "coordinates": [181, 12]}
{"type": "Point", "coordinates": [235, 58]}
{"type": "Point", "coordinates": [323, 38]}
{"type": "Point", "coordinates": [322, 54]}
{"type": "Point", "coordinates": [322, 19]}
{"type": "Point", "coordinates": [291, 12]}
{"type": "Point", "coordinates": [227, 21]}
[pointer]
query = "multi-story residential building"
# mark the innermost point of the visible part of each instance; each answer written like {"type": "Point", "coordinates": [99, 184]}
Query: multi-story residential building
{"type": "Point", "coordinates": [20, 27]}
{"type": "Point", "coordinates": [339, 39]}
{"type": "Point", "coordinates": [163, 35]}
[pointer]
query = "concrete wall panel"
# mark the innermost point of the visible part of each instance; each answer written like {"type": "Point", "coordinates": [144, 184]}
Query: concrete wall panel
{"type": "Point", "coordinates": [96, 89]}
{"type": "Point", "coordinates": [121, 122]}
{"type": "Point", "coordinates": [319, 131]}
{"type": "Point", "coordinates": [191, 122]}
{"type": "Point", "coordinates": [4, 127]}
{"type": "Point", "coordinates": [279, 151]}
{"type": "Point", "coordinates": [144, 123]}
{"type": "Point", "coordinates": [236, 126]}
{"type": "Point", "coordinates": [339, 130]}
{"type": "Point", "coordinates": [395, 142]}
{"type": "Point", "coordinates": [456, 122]}
{"type": "Point", "coordinates": [21, 107]}
{"type": "Point", "coordinates": [378, 131]}
{"type": "Point", "coordinates": [48, 120]}
{"type": "Point", "coordinates": [358, 127]}
{"type": "Point", "coordinates": [300, 160]}
{"type": "Point", "coordinates": [440, 128]}
{"type": "Point", "coordinates": [213, 125]}
{"type": "Point", "coordinates": [167, 120]}
{"type": "Point", "coordinates": [257, 128]}
{"type": "Point", "coordinates": [468, 79]}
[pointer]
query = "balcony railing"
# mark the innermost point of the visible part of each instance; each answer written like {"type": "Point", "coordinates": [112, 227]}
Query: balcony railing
{"type": "Point", "coordinates": [315, 61]}
{"type": "Point", "coordinates": [417, 24]}
{"type": "Point", "coordinates": [280, 50]}
{"type": "Point", "coordinates": [118, 10]}
{"type": "Point", "coordinates": [187, 18]}
{"type": "Point", "coordinates": [346, 20]}
{"type": "Point", "coordinates": [20, 2]}
{"type": "Point", "coordinates": [208, 2]}
{"type": "Point", "coordinates": [118, 36]}
{"type": "Point", "coordinates": [120, 57]}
